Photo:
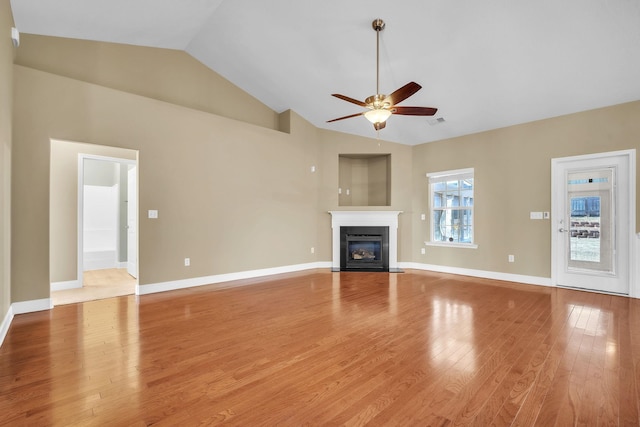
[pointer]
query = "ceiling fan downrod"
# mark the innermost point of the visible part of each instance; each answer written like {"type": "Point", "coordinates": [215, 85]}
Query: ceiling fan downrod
{"type": "Point", "coordinates": [378, 25]}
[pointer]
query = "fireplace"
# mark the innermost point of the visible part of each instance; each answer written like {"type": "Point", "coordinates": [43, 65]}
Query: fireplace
{"type": "Point", "coordinates": [366, 228]}
{"type": "Point", "coordinates": [364, 248]}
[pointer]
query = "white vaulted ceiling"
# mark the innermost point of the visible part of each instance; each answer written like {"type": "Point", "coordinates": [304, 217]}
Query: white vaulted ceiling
{"type": "Point", "coordinates": [483, 64]}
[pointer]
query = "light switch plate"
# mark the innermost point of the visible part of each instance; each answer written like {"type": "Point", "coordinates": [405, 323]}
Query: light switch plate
{"type": "Point", "coordinates": [153, 213]}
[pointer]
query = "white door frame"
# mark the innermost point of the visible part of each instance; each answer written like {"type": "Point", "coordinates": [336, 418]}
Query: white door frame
{"type": "Point", "coordinates": [132, 220]}
{"type": "Point", "coordinates": [557, 239]}
{"type": "Point", "coordinates": [81, 159]}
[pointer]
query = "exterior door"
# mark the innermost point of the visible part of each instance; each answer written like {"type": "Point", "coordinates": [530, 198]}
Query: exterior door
{"type": "Point", "coordinates": [591, 226]}
{"type": "Point", "coordinates": [132, 222]}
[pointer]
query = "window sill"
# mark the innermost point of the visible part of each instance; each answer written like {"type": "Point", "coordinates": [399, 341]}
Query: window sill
{"type": "Point", "coordinates": [452, 245]}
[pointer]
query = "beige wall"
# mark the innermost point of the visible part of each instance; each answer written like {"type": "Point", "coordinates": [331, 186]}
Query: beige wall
{"type": "Point", "coordinates": [63, 206]}
{"type": "Point", "coordinates": [164, 74]}
{"type": "Point", "coordinates": [6, 85]}
{"type": "Point", "coordinates": [330, 145]}
{"type": "Point", "coordinates": [379, 176]}
{"type": "Point", "coordinates": [512, 178]}
{"type": "Point", "coordinates": [233, 194]}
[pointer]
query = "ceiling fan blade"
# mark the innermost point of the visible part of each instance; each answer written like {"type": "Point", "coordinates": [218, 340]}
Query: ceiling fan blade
{"type": "Point", "coordinates": [380, 125]}
{"type": "Point", "coordinates": [346, 98]}
{"type": "Point", "coordinates": [414, 111]}
{"type": "Point", "coordinates": [345, 117]}
{"type": "Point", "coordinates": [403, 93]}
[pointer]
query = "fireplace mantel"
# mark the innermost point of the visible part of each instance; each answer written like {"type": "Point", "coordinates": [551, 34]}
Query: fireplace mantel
{"type": "Point", "coordinates": [365, 218]}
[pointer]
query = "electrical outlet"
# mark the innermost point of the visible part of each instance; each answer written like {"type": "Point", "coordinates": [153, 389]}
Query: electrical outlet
{"type": "Point", "coordinates": [187, 262]}
{"type": "Point", "coordinates": [423, 251]}
{"type": "Point", "coordinates": [512, 258]}
{"type": "Point", "coordinates": [423, 217]}
{"type": "Point", "coordinates": [313, 250]}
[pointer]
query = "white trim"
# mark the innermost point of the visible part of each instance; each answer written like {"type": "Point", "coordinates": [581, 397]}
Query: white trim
{"type": "Point", "coordinates": [23, 307]}
{"type": "Point", "coordinates": [62, 286]}
{"type": "Point", "coordinates": [225, 278]}
{"type": "Point", "coordinates": [452, 245]}
{"type": "Point", "coordinates": [634, 289]}
{"type": "Point", "coordinates": [365, 219]}
{"type": "Point", "coordinates": [630, 155]}
{"type": "Point", "coordinates": [495, 275]}
{"type": "Point", "coordinates": [108, 158]}
{"type": "Point", "coordinates": [6, 323]}
{"type": "Point", "coordinates": [80, 223]}
{"type": "Point", "coordinates": [443, 174]}
{"type": "Point", "coordinates": [100, 260]}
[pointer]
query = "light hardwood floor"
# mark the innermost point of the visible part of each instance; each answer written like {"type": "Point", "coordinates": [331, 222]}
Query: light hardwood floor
{"type": "Point", "coordinates": [322, 348]}
{"type": "Point", "coordinates": [98, 284]}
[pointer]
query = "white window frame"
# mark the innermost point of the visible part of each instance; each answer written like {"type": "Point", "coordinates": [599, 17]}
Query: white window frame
{"type": "Point", "coordinates": [436, 177]}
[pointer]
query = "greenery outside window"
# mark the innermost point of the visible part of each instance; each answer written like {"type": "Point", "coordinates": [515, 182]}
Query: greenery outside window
{"type": "Point", "coordinates": [451, 207]}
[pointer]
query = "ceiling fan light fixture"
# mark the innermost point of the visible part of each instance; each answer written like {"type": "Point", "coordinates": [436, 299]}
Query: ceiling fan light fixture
{"type": "Point", "coordinates": [380, 106]}
{"type": "Point", "coordinates": [377, 115]}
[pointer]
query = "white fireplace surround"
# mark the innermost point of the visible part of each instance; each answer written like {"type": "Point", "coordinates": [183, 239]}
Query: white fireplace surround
{"type": "Point", "coordinates": [365, 219]}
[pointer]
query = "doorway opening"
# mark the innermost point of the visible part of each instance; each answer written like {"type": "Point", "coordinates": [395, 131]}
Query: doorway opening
{"type": "Point", "coordinates": [104, 217]}
{"type": "Point", "coordinates": [593, 204]}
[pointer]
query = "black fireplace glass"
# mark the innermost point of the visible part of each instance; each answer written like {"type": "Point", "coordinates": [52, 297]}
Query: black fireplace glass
{"type": "Point", "coordinates": [364, 248]}
{"type": "Point", "coordinates": [364, 251]}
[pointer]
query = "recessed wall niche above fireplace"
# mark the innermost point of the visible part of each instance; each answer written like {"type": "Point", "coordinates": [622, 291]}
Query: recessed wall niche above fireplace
{"type": "Point", "coordinates": [364, 180]}
{"type": "Point", "coordinates": [365, 240]}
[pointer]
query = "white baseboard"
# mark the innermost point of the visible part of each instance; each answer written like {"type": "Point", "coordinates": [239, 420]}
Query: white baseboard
{"type": "Point", "coordinates": [31, 306]}
{"type": "Point", "coordinates": [223, 278]}
{"type": "Point", "coordinates": [22, 307]}
{"type": "Point", "coordinates": [69, 284]}
{"type": "Point", "coordinates": [519, 278]}
{"type": "Point", "coordinates": [99, 260]}
{"type": "Point", "coordinates": [4, 326]}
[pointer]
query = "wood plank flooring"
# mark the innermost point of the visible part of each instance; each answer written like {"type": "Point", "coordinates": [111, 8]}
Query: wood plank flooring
{"type": "Point", "coordinates": [323, 348]}
{"type": "Point", "coordinates": [98, 284]}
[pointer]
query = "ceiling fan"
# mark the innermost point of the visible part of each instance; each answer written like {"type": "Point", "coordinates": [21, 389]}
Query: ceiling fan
{"type": "Point", "coordinates": [381, 107]}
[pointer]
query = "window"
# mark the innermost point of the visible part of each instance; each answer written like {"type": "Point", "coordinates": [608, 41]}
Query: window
{"type": "Point", "coordinates": [451, 207]}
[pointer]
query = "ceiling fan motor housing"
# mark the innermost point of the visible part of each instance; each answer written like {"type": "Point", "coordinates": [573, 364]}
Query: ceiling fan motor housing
{"type": "Point", "coordinates": [377, 101]}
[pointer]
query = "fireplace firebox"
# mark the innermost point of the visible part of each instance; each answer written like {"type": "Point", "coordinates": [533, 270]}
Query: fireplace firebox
{"type": "Point", "coordinates": [364, 248]}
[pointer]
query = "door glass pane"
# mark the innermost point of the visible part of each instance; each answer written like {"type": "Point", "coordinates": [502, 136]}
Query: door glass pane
{"type": "Point", "coordinates": [585, 229]}
{"type": "Point", "coordinates": [591, 231]}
